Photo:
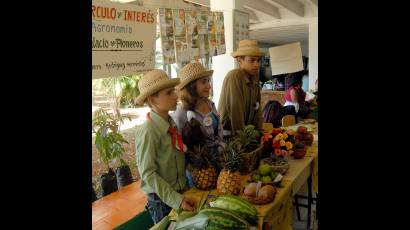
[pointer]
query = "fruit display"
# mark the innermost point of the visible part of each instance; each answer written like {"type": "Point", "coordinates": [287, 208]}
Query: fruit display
{"type": "Point", "coordinates": [247, 142]}
{"type": "Point", "coordinates": [302, 129]}
{"type": "Point", "coordinates": [266, 175]}
{"type": "Point", "coordinates": [229, 180]}
{"type": "Point", "coordinates": [257, 193]}
{"type": "Point", "coordinates": [203, 172]}
{"type": "Point", "coordinates": [213, 218]}
{"type": "Point", "coordinates": [237, 205]}
{"type": "Point", "coordinates": [300, 151]}
{"type": "Point", "coordinates": [302, 135]}
{"type": "Point", "coordinates": [279, 165]}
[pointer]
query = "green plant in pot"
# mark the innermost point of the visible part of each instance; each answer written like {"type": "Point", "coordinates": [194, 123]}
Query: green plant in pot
{"type": "Point", "coordinates": [94, 195]}
{"type": "Point", "coordinates": [108, 142]}
{"type": "Point", "coordinates": [247, 141]}
{"type": "Point", "coordinates": [123, 173]}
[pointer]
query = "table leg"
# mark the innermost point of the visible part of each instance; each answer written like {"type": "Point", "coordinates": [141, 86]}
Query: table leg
{"type": "Point", "coordinates": [297, 207]}
{"type": "Point", "coordinates": [309, 200]}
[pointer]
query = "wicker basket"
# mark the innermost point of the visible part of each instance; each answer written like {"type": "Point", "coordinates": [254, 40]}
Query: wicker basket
{"type": "Point", "coordinates": [256, 200]}
{"type": "Point", "coordinates": [274, 184]}
{"type": "Point", "coordinates": [299, 153]}
{"type": "Point", "coordinates": [250, 161]}
{"type": "Point", "coordinates": [282, 169]}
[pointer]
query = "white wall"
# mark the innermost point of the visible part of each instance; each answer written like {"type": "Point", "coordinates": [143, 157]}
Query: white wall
{"type": "Point", "coordinates": [313, 53]}
{"type": "Point", "coordinates": [222, 64]}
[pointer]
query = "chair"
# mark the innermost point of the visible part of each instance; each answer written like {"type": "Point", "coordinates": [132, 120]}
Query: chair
{"type": "Point", "coordinates": [268, 127]}
{"type": "Point", "coordinates": [288, 120]}
{"type": "Point", "coordinates": [141, 221]}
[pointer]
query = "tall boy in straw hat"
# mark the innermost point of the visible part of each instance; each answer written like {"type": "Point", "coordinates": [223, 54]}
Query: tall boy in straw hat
{"type": "Point", "coordinates": [239, 102]}
{"type": "Point", "coordinates": [159, 147]}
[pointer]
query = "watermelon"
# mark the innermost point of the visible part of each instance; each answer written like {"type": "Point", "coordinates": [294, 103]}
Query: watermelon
{"type": "Point", "coordinates": [237, 205]}
{"type": "Point", "coordinates": [213, 218]}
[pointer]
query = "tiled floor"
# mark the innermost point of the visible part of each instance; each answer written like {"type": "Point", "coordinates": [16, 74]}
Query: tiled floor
{"type": "Point", "coordinates": [302, 224]}
{"type": "Point", "coordinates": [118, 207]}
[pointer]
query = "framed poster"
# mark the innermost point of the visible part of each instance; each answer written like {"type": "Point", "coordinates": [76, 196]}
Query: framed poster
{"type": "Point", "coordinates": [181, 49]}
{"type": "Point", "coordinates": [179, 22]}
{"type": "Point", "coordinates": [203, 22]}
{"type": "Point", "coordinates": [203, 45]}
{"type": "Point", "coordinates": [166, 23]}
{"type": "Point", "coordinates": [220, 32]}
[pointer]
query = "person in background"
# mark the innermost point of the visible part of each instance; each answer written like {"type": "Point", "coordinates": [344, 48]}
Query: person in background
{"type": "Point", "coordinates": [159, 148]}
{"type": "Point", "coordinates": [295, 96]}
{"type": "Point", "coordinates": [239, 102]}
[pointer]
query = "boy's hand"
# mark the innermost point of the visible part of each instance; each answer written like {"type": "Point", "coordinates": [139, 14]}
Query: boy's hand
{"type": "Point", "coordinates": [188, 204]}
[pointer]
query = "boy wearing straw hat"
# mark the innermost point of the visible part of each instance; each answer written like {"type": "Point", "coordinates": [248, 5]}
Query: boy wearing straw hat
{"type": "Point", "coordinates": [159, 147]}
{"type": "Point", "coordinates": [239, 102]}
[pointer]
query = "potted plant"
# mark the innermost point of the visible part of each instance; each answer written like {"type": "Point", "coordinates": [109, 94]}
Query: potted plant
{"type": "Point", "coordinates": [108, 142]}
{"type": "Point", "coordinates": [247, 142]}
{"type": "Point", "coordinates": [94, 197]}
{"type": "Point", "coordinates": [123, 173]}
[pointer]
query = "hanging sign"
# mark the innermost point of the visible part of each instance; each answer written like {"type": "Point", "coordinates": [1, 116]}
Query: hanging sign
{"type": "Point", "coordinates": [123, 39]}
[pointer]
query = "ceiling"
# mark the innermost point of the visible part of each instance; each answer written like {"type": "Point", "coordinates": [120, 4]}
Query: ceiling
{"type": "Point", "coordinates": [282, 34]}
{"type": "Point", "coordinates": [273, 22]}
{"type": "Point", "coordinates": [289, 22]}
{"type": "Point", "coordinates": [277, 22]}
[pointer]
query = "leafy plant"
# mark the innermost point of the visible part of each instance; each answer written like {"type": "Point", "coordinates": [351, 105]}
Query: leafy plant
{"type": "Point", "coordinates": [199, 157]}
{"type": "Point", "coordinates": [129, 90]}
{"type": "Point", "coordinates": [108, 140]}
{"type": "Point", "coordinates": [230, 156]}
{"type": "Point", "coordinates": [247, 139]}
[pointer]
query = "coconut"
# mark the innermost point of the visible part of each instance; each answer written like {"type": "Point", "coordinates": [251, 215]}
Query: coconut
{"type": "Point", "coordinates": [250, 189]}
{"type": "Point", "coordinates": [266, 192]}
{"type": "Point", "coordinates": [302, 129]}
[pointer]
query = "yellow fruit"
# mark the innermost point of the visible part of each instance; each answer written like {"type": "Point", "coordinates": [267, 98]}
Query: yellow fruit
{"type": "Point", "coordinates": [264, 169]}
{"type": "Point", "coordinates": [205, 179]}
{"type": "Point", "coordinates": [229, 182]}
{"type": "Point", "coordinates": [266, 179]}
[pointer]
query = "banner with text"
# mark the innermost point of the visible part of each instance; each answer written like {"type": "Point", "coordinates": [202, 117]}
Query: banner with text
{"type": "Point", "coordinates": [123, 39]}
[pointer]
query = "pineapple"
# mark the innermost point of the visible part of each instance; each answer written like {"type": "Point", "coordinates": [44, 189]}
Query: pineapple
{"type": "Point", "coordinates": [203, 172]}
{"type": "Point", "coordinates": [229, 180]}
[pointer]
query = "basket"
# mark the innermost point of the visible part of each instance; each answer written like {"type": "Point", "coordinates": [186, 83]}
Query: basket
{"type": "Point", "coordinates": [250, 161]}
{"type": "Point", "coordinates": [256, 200]}
{"type": "Point", "coordinates": [274, 184]}
{"type": "Point", "coordinates": [299, 153]}
{"type": "Point", "coordinates": [280, 168]}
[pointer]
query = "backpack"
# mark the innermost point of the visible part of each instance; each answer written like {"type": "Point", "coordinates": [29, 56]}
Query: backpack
{"type": "Point", "coordinates": [272, 113]}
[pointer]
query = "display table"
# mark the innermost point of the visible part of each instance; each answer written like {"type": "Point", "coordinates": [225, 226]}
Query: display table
{"type": "Point", "coordinates": [279, 213]}
{"type": "Point", "coordinates": [118, 207]}
{"type": "Point", "coordinates": [264, 211]}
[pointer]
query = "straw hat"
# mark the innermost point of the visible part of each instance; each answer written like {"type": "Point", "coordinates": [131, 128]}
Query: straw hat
{"type": "Point", "coordinates": [248, 48]}
{"type": "Point", "coordinates": [152, 82]}
{"type": "Point", "coordinates": [191, 72]}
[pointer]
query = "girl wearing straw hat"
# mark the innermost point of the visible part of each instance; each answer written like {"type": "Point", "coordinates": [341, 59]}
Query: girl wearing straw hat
{"type": "Point", "coordinates": [194, 91]}
{"type": "Point", "coordinates": [159, 147]}
{"type": "Point", "coordinates": [239, 102]}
